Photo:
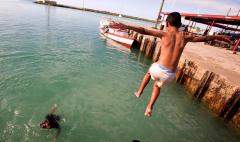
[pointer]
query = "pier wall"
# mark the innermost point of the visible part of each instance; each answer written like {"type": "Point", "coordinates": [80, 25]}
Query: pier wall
{"type": "Point", "coordinates": [213, 89]}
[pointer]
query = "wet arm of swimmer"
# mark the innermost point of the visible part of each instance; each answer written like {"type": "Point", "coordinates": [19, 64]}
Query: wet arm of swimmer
{"type": "Point", "coordinates": [206, 38]}
{"type": "Point", "coordinates": [53, 109]}
{"type": "Point", "coordinates": [140, 29]}
{"type": "Point", "coordinates": [57, 134]}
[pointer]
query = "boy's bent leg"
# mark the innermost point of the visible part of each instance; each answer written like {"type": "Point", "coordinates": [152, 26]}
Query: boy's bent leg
{"type": "Point", "coordinates": [155, 94]}
{"type": "Point", "coordinates": [143, 84]}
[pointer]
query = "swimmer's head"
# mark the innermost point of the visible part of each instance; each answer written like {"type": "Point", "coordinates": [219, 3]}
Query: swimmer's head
{"type": "Point", "coordinates": [174, 19]}
{"type": "Point", "coordinates": [45, 124]}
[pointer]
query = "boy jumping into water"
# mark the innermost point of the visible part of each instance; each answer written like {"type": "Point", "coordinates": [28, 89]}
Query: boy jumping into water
{"type": "Point", "coordinates": [173, 43]}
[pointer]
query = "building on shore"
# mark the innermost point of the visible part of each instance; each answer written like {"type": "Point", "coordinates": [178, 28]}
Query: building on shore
{"type": "Point", "coordinates": [47, 2]}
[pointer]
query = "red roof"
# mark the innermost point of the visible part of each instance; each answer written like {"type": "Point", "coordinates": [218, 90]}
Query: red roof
{"type": "Point", "coordinates": [221, 26]}
{"type": "Point", "coordinates": [203, 18]}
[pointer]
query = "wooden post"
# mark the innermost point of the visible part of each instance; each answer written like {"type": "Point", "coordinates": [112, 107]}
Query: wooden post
{"type": "Point", "coordinates": [157, 50]}
{"type": "Point", "coordinates": [131, 33]}
{"type": "Point", "coordinates": [140, 38]}
{"type": "Point", "coordinates": [144, 43]}
{"type": "Point", "coordinates": [231, 107]}
{"type": "Point", "coordinates": [150, 46]}
{"type": "Point", "coordinates": [135, 35]}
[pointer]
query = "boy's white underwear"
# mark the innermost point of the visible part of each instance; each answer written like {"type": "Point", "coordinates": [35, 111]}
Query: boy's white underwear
{"type": "Point", "coordinates": [161, 74]}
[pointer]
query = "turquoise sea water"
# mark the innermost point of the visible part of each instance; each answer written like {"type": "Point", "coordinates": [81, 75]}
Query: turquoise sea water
{"type": "Point", "coordinates": [52, 55]}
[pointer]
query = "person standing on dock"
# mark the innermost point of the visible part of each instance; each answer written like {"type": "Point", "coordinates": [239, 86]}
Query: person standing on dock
{"type": "Point", "coordinates": [173, 42]}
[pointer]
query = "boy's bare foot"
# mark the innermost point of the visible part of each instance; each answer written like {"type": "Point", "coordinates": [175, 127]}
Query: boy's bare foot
{"type": "Point", "coordinates": [137, 94]}
{"type": "Point", "coordinates": [148, 112]}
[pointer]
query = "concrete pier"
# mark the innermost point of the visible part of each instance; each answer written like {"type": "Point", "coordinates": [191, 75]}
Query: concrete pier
{"type": "Point", "coordinates": [213, 89]}
{"type": "Point", "coordinates": [210, 74]}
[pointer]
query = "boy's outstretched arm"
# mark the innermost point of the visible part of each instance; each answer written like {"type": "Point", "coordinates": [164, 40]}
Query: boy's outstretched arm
{"type": "Point", "coordinates": [138, 28]}
{"type": "Point", "coordinates": [53, 109]}
{"type": "Point", "coordinates": [193, 38]}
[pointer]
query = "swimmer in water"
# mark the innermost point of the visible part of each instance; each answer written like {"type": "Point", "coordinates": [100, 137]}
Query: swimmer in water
{"type": "Point", "coordinates": [52, 122]}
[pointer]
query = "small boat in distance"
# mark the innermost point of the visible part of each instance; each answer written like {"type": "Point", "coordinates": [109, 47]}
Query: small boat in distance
{"type": "Point", "coordinates": [115, 33]}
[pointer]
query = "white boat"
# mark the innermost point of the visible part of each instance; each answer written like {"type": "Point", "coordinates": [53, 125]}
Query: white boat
{"type": "Point", "coordinates": [116, 34]}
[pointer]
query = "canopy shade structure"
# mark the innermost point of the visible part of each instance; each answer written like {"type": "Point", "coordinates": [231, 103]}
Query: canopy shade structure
{"type": "Point", "coordinates": [220, 21]}
{"type": "Point", "coordinates": [208, 19]}
{"type": "Point", "coordinates": [219, 26]}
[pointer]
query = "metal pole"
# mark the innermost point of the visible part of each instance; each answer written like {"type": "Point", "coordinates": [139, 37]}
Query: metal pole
{"type": "Point", "coordinates": [210, 28]}
{"type": "Point", "coordinates": [191, 27]}
{"type": "Point", "coordinates": [237, 25]}
{"type": "Point", "coordinates": [194, 25]}
{"type": "Point", "coordinates": [228, 15]}
{"type": "Point", "coordinates": [162, 21]}
{"type": "Point", "coordinates": [236, 47]}
{"type": "Point", "coordinates": [189, 21]}
{"type": "Point", "coordinates": [238, 12]}
{"type": "Point", "coordinates": [205, 32]}
{"type": "Point", "coordinates": [238, 42]}
{"type": "Point", "coordinates": [229, 11]}
{"type": "Point", "coordinates": [159, 14]}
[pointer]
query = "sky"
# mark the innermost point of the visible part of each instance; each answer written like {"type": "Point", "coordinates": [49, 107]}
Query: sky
{"type": "Point", "coordinates": [149, 8]}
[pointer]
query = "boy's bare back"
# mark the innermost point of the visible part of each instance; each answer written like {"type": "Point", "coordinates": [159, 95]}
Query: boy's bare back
{"type": "Point", "coordinates": [173, 43]}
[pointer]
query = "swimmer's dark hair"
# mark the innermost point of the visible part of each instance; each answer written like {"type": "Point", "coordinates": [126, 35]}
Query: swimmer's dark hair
{"type": "Point", "coordinates": [174, 19]}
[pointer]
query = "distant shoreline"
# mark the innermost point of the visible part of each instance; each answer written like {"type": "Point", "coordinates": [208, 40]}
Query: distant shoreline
{"type": "Point", "coordinates": [96, 11]}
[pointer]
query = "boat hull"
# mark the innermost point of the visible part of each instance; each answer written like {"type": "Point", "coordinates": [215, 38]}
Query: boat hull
{"type": "Point", "coordinates": [124, 40]}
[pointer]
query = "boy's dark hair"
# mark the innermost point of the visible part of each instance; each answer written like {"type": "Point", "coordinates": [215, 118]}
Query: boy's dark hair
{"type": "Point", "coordinates": [174, 19]}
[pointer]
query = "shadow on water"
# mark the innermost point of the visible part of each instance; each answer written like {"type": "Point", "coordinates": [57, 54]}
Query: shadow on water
{"type": "Point", "coordinates": [141, 57]}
